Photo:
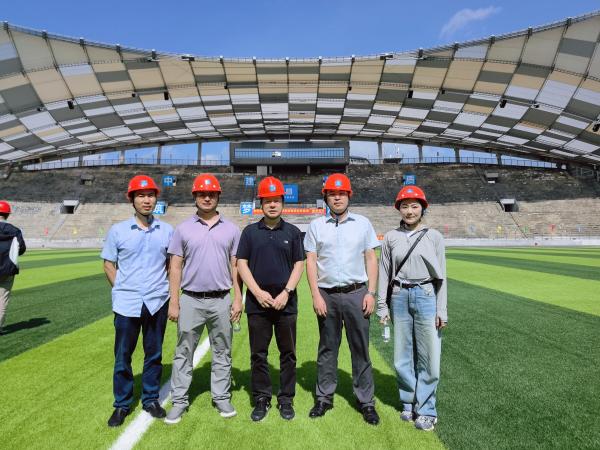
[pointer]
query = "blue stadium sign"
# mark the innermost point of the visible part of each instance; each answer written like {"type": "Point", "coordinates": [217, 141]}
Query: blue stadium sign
{"type": "Point", "coordinates": [246, 208]}
{"type": "Point", "coordinates": [410, 179]}
{"type": "Point", "coordinates": [291, 193]}
{"type": "Point", "coordinates": [160, 208]}
{"type": "Point", "coordinates": [169, 180]}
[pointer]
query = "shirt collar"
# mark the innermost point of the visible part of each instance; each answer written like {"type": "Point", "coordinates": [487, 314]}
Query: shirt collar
{"type": "Point", "coordinates": [197, 218]}
{"type": "Point", "coordinates": [262, 225]}
{"type": "Point", "coordinates": [349, 217]}
{"type": "Point", "coordinates": [154, 224]}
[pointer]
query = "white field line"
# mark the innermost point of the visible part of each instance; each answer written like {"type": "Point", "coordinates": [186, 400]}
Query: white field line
{"type": "Point", "coordinates": [136, 429]}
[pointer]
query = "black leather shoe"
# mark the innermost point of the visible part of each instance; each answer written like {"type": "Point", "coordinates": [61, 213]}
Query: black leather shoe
{"type": "Point", "coordinates": [118, 417]}
{"type": "Point", "coordinates": [286, 411]}
{"type": "Point", "coordinates": [319, 409]}
{"type": "Point", "coordinates": [155, 410]}
{"type": "Point", "coordinates": [370, 415]}
{"type": "Point", "coordinates": [260, 409]}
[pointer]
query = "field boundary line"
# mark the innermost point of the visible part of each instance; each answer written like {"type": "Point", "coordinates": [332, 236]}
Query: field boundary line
{"type": "Point", "coordinates": [136, 429]}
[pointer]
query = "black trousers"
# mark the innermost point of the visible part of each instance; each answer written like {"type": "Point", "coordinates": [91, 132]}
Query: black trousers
{"type": "Point", "coordinates": [344, 310]}
{"type": "Point", "coordinates": [260, 327]}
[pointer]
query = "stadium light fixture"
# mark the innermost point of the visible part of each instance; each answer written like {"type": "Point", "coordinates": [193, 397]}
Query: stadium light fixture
{"type": "Point", "coordinates": [153, 57]}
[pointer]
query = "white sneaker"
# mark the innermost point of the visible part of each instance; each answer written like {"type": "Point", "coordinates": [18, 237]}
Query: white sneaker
{"type": "Point", "coordinates": [174, 416]}
{"type": "Point", "coordinates": [425, 423]}
{"type": "Point", "coordinates": [407, 416]}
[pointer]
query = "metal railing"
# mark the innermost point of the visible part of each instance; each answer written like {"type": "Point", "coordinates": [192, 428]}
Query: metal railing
{"type": "Point", "coordinates": [52, 165]}
{"type": "Point", "coordinates": [462, 160]}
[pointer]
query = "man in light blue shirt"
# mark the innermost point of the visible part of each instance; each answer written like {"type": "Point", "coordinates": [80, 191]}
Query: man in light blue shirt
{"type": "Point", "coordinates": [341, 267]}
{"type": "Point", "coordinates": [136, 265]}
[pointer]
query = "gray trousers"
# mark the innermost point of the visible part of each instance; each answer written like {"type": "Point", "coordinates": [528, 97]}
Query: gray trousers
{"type": "Point", "coordinates": [6, 283]}
{"type": "Point", "coordinates": [344, 310]}
{"type": "Point", "coordinates": [194, 314]}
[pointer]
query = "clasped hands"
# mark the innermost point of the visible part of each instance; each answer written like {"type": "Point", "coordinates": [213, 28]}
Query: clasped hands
{"type": "Point", "coordinates": [266, 300]}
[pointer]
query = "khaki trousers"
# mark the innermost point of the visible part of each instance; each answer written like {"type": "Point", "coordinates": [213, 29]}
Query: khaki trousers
{"type": "Point", "coordinates": [6, 283]}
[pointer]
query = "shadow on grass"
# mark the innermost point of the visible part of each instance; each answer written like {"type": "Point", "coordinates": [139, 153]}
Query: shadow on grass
{"type": "Point", "coordinates": [25, 325]}
{"type": "Point", "coordinates": [385, 385]}
{"type": "Point", "coordinates": [64, 306]}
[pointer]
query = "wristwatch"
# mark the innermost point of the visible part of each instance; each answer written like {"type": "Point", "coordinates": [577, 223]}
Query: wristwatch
{"type": "Point", "coordinates": [288, 290]}
{"type": "Point", "coordinates": [373, 293]}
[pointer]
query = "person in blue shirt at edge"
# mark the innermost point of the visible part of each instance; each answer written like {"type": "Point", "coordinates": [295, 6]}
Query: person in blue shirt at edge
{"type": "Point", "coordinates": [341, 267]}
{"type": "Point", "coordinates": [136, 265]}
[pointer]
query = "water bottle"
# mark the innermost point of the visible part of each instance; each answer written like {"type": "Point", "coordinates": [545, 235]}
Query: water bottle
{"type": "Point", "coordinates": [385, 335]}
{"type": "Point", "coordinates": [237, 327]}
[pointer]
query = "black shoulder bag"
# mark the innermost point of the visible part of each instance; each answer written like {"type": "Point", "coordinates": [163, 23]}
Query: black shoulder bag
{"type": "Point", "coordinates": [388, 297]}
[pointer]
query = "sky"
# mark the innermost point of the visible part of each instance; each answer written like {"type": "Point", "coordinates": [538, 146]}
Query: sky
{"type": "Point", "coordinates": [292, 28]}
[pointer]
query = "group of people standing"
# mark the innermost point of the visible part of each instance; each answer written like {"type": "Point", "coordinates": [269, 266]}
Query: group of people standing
{"type": "Point", "coordinates": [187, 274]}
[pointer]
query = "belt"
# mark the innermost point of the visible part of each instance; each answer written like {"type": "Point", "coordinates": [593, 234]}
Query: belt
{"type": "Point", "coordinates": [412, 285]}
{"type": "Point", "coordinates": [207, 294]}
{"type": "Point", "coordinates": [344, 289]}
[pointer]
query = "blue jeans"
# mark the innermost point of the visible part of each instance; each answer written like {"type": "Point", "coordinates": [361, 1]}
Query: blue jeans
{"type": "Point", "coordinates": [127, 330]}
{"type": "Point", "coordinates": [417, 348]}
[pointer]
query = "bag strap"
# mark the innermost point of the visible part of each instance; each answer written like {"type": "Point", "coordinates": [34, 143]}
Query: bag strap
{"type": "Point", "coordinates": [410, 250]}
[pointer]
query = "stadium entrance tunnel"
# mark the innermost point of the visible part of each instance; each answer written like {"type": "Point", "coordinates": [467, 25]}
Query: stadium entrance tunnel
{"type": "Point", "coordinates": [69, 206]}
{"type": "Point", "coordinates": [509, 205]}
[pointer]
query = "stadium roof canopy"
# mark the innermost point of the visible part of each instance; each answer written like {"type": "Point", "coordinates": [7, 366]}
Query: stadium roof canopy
{"type": "Point", "coordinates": [534, 93]}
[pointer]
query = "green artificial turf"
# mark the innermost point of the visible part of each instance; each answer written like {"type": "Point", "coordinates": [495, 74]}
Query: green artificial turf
{"type": "Point", "coordinates": [517, 372]}
{"type": "Point", "coordinates": [66, 293]}
{"type": "Point", "coordinates": [519, 364]}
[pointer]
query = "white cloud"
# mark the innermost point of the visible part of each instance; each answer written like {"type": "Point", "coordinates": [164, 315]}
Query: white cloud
{"type": "Point", "coordinates": [464, 17]}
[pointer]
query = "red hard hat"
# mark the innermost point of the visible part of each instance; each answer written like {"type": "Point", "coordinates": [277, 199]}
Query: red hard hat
{"type": "Point", "coordinates": [270, 187]}
{"type": "Point", "coordinates": [140, 183]}
{"type": "Point", "coordinates": [337, 182]}
{"type": "Point", "coordinates": [4, 207]}
{"type": "Point", "coordinates": [205, 182]}
{"type": "Point", "coordinates": [411, 192]}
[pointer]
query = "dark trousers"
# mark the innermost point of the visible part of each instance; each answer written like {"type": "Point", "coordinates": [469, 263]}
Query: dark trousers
{"type": "Point", "coordinates": [344, 310]}
{"type": "Point", "coordinates": [260, 327]}
{"type": "Point", "coordinates": [127, 330]}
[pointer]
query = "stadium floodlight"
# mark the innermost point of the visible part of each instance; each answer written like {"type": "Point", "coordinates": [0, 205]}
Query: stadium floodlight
{"type": "Point", "coordinates": [153, 57]}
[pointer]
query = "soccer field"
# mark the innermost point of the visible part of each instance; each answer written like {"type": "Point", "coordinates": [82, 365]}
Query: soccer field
{"type": "Point", "coordinates": [520, 364]}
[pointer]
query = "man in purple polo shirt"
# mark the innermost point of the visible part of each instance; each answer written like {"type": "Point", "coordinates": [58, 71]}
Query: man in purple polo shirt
{"type": "Point", "coordinates": [202, 272]}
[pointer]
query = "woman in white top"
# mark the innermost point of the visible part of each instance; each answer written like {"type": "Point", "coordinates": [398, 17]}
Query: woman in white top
{"type": "Point", "coordinates": [417, 299]}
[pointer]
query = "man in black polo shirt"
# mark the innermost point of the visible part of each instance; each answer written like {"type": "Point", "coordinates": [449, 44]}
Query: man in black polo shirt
{"type": "Point", "coordinates": [270, 260]}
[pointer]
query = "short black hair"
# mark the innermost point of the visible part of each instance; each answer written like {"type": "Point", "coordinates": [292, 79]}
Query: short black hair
{"type": "Point", "coordinates": [5, 215]}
